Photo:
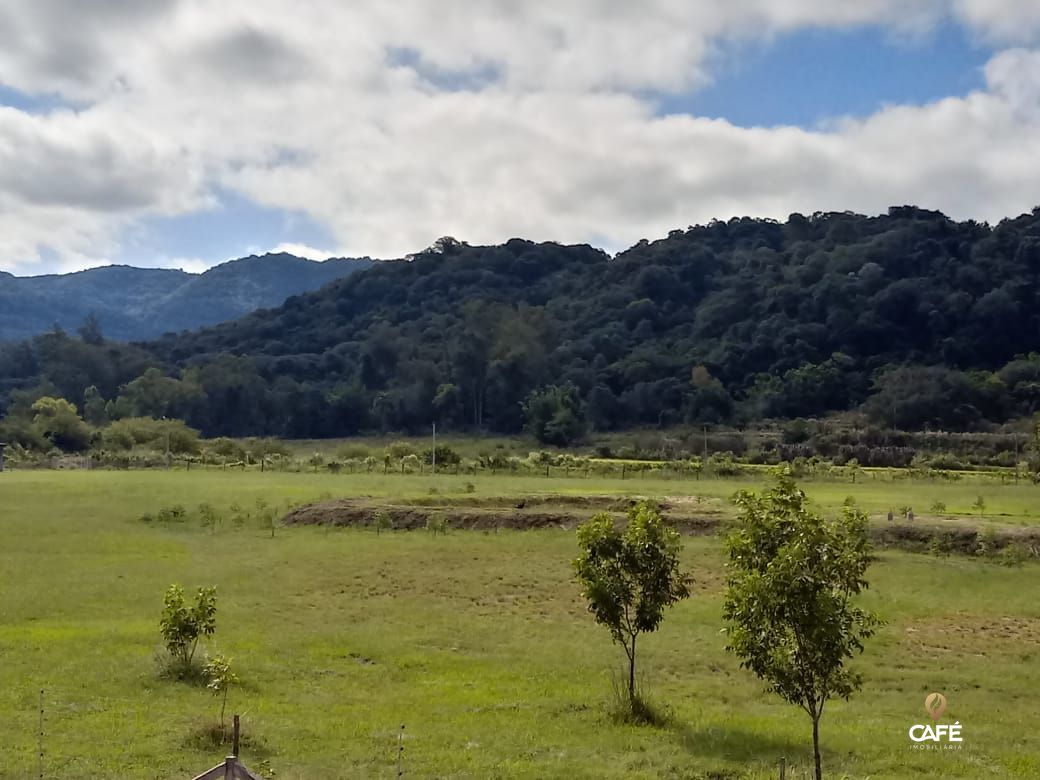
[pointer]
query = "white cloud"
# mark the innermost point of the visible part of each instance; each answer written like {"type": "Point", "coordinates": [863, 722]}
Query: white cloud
{"type": "Point", "coordinates": [1002, 21]}
{"type": "Point", "coordinates": [395, 123]}
{"type": "Point", "coordinates": [303, 250]}
{"type": "Point", "coordinates": [193, 265]}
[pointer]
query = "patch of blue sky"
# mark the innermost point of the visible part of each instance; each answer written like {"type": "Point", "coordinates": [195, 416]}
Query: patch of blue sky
{"type": "Point", "coordinates": [235, 228]}
{"type": "Point", "coordinates": [33, 103]}
{"type": "Point", "coordinates": [810, 76]}
{"type": "Point", "coordinates": [442, 80]}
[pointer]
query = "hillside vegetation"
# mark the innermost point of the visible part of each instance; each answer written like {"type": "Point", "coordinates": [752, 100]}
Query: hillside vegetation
{"type": "Point", "coordinates": [916, 319]}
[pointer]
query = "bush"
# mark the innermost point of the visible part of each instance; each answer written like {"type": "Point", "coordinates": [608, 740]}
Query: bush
{"type": "Point", "coordinates": [383, 521]}
{"type": "Point", "coordinates": [171, 514]}
{"type": "Point", "coordinates": [183, 625]}
{"type": "Point", "coordinates": [941, 545]}
{"type": "Point", "coordinates": [446, 456]}
{"type": "Point", "coordinates": [21, 432]}
{"type": "Point", "coordinates": [1014, 554]}
{"type": "Point", "coordinates": [226, 448]}
{"type": "Point", "coordinates": [437, 524]}
{"type": "Point", "coordinates": [354, 452]}
{"type": "Point", "coordinates": [208, 517]}
{"type": "Point", "coordinates": [157, 435]}
{"type": "Point", "coordinates": [988, 542]}
{"type": "Point", "coordinates": [58, 422]}
{"type": "Point", "coordinates": [399, 449]}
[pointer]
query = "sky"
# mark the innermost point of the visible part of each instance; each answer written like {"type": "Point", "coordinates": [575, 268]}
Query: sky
{"type": "Point", "coordinates": [182, 133]}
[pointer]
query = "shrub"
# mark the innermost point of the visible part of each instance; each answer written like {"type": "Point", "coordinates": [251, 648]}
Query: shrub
{"type": "Point", "coordinates": [172, 514]}
{"type": "Point", "coordinates": [446, 456]}
{"type": "Point", "coordinates": [208, 517]}
{"type": "Point", "coordinates": [437, 524]}
{"type": "Point", "coordinates": [354, 452]}
{"type": "Point", "coordinates": [399, 449]}
{"type": "Point", "coordinates": [1014, 554]}
{"type": "Point", "coordinates": [940, 545]}
{"type": "Point", "coordinates": [157, 435]}
{"type": "Point", "coordinates": [383, 521]}
{"type": "Point", "coordinates": [183, 625]}
{"type": "Point", "coordinates": [988, 542]}
{"type": "Point", "coordinates": [226, 448]}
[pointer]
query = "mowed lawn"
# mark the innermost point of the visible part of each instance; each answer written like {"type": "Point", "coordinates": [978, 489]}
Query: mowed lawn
{"type": "Point", "coordinates": [477, 642]}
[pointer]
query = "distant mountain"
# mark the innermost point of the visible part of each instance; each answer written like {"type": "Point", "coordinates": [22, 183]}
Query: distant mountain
{"type": "Point", "coordinates": [134, 304]}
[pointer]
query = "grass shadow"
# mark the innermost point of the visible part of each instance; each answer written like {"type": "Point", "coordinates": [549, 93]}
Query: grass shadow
{"type": "Point", "coordinates": [640, 710]}
{"type": "Point", "coordinates": [170, 669]}
{"type": "Point", "coordinates": [739, 744]}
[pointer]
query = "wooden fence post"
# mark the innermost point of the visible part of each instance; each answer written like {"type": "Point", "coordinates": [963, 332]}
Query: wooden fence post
{"type": "Point", "coordinates": [234, 736]}
{"type": "Point", "coordinates": [783, 769]}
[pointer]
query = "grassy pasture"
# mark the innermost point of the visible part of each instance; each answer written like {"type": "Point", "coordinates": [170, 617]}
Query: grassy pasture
{"type": "Point", "coordinates": [477, 642]}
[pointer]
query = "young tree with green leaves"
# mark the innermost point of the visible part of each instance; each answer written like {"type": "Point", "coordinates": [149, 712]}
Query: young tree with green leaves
{"type": "Point", "coordinates": [219, 679]}
{"type": "Point", "coordinates": [792, 578]}
{"type": "Point", "coordinates": [629, 576]}
{"type": "Point", "coordinates": [183, 624]}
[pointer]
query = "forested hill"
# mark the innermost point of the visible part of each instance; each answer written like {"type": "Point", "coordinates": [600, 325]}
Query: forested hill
{"type": "Point", "coordinates": [142, 303]}
{"type": "Point", "coordinates": [918, 316]}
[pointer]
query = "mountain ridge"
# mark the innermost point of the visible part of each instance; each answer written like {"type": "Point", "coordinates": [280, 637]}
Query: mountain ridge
{"type": "Point", "coordinates": [137, 304]}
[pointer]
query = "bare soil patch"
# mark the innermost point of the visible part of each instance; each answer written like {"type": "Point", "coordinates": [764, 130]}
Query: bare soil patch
{"type": "Point", "coordinates": [530, 512]}
{"type": "Point", "coordinates": [973, 634]}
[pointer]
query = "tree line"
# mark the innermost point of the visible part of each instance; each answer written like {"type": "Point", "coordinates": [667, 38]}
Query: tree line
{"type": "Point", "coordinates": [917, 320]}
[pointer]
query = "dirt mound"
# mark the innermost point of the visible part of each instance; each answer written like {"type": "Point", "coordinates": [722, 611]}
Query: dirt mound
{"type": "Point", "coordinates": [565, 512]}
{"type": "Point", "coordinates": [951, 537]}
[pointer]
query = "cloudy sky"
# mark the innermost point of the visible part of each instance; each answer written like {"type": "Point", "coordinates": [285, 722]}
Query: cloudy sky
{"type": "Point", "coordinates": [185, 132]}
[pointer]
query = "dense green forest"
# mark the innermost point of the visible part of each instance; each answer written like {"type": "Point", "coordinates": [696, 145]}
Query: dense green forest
{"type": "Point", "coordinates": [918, 320]}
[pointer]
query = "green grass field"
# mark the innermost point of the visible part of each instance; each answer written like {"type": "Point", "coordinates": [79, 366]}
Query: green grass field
{"type": "Point", "coordinates": [477, 642]}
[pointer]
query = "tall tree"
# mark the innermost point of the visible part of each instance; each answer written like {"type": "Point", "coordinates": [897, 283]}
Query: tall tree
{"type": "Point", "coordinates": [554, 415]}
{"type": "Point", "coordinates": [90, 331]}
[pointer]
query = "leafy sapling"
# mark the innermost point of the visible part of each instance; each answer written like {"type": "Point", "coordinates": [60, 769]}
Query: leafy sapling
{"type": "Point", "coordinates": [219, 679]}
{"type": "Point", "coordinates": [792, 578]}
{"type": "Point", "coordinates": [629, 577]}
{"type": "Point", "coordinates": [183, 625]}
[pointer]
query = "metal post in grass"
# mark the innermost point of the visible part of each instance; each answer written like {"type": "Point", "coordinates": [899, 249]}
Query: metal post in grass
{"type": "Point", "coordinates": [783, 769]}
{"type": "Point", "coordinates": [400, 752]}
{"type": "Point", "coordinates": [235, 731]}
{"type": "Point", "coordinates": [39, 740]}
